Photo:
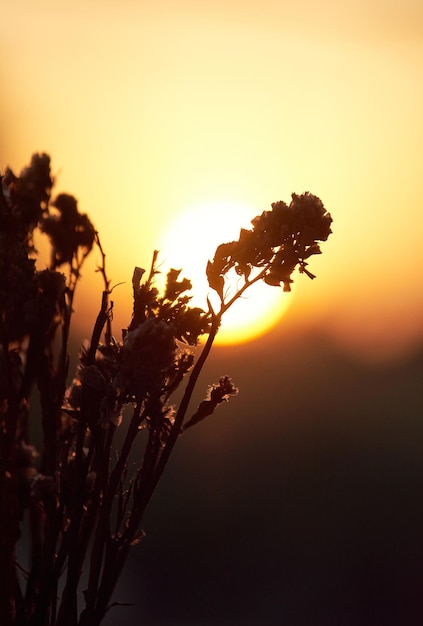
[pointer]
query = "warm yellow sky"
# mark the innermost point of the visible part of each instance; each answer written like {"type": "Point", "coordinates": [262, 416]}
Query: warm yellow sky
{"type": "Point", "coordinates": [149, 109]}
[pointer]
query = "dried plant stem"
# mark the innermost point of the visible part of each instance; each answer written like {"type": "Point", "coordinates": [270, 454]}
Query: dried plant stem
{"type": "Point", "coordinates": [84, 509]}
{"type": "Point", "coordinates": [100, 556]}
{"type": "Point", "coordinates": [192, 381]}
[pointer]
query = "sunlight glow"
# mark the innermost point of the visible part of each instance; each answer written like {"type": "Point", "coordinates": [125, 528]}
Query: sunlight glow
{"type": "Point", "coordinates": [191, 239]}
{"type": "Point", "coordinates": [148, 110]}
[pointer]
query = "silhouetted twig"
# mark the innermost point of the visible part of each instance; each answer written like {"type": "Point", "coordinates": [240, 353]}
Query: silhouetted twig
{"type": "Point", "coordinates": [84, 505]}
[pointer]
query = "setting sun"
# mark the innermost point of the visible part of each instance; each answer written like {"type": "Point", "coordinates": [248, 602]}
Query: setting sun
{"type": "Point", "coordinates": [167, 170]}
{"type": "Point", "coordinates": [192, 238]}
{"type": "Point", "coordinates": [150, 113]}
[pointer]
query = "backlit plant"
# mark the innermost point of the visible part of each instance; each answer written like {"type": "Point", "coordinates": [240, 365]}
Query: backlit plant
{"type": "Point", "coordinates": [82, 506]}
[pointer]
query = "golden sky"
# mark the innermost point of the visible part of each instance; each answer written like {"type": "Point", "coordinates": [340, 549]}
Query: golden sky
{"type": "Point", "coordinates": [151, 109]}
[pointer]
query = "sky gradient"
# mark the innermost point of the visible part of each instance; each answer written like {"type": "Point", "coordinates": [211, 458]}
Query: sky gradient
{"type": "Point", "coordinates": [299, 503]}
{"type": "Point", "coordinates": [149, 112]}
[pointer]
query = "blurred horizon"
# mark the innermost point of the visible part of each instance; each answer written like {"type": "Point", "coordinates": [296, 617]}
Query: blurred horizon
{"type": "Point", "coordinates": [150, 111]}
{"type": "Point", "coordinates": [296, 503]}
{"type": "Point", "coordinates": [299, 502]}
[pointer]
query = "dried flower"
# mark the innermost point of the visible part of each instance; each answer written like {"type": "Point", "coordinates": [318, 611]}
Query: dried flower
{"type": "Point", "coordinates": [281, 240]}
{"type": "Point", "coordinates": [86, 503]}
{"type": "Point", "coordinates": [216, 395]}
{"type": "Point", "coordinates": [69, 230]}
{"type": "Point", "coordinates": [147, 354]}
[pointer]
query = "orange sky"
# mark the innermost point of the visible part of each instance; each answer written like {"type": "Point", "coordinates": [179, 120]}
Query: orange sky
{"type": "Point", "coordinates": [151, 108]}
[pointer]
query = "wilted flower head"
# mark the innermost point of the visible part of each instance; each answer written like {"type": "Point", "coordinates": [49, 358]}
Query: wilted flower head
{"type": "Point", "coordinates": [188, 323]}
{"type": "Point", "coordinates": [281, 239]}
{"type": "Point", "coordinates": [217, 394]}
{"type": "Point", "coordinates": [147, 354]}
{"type": "Point", "coordinates": [305, 220]}
{"type": "Point", "coordinates": [94, 396]}
{"type": "Point", "coordinates": [69, 230]}
{"type": "Point", "coordinates": [27, 195]}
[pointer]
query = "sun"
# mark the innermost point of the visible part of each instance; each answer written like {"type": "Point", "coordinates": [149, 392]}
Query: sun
{"type": "Point", "coordinates": [191, 238]}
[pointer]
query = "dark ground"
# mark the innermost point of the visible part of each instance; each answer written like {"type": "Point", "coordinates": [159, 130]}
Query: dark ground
{"type": "Point", "coordinates": [298, 504]}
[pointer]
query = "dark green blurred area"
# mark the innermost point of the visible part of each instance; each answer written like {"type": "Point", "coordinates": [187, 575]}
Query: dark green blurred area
{"type": "Point", "coordinates": [299, 503]}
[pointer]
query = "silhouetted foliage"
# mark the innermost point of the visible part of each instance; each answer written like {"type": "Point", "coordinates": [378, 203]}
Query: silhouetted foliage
{"type": "Point", "coordinates": [83, 506]}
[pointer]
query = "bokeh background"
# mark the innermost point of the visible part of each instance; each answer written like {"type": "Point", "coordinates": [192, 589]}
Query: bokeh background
{"type": "Point", "coordinates": [300, 502]}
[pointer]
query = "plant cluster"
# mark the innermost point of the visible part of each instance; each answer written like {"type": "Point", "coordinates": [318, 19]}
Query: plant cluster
{"type": "Point", "coordinates": [83, 505]}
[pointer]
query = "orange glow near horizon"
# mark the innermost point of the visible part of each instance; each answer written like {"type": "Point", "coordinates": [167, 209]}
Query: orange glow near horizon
{"type": "Point", "coordinates": [148, 111]}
